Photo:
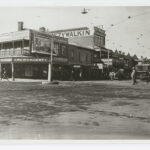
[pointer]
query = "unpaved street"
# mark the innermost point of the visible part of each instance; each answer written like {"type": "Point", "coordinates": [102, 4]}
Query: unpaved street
{"type": "Point", "coordinates": [75, 110]}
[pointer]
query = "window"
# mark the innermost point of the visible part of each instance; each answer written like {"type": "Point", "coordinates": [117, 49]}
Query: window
{"type": "Point", "coordinates": [79, 57]}
{"type": "Point", "coordinates": [28, 71]}
{"type": "Point", "coordinates": [102, 41]}
{"type": "Point", "coordinates": [96, 40]}
{"type": "Point", "coordinates": [99, 40]}
{"type": "Point", "coordinates": [86, 58]}
{"type": "Point", "coordinates": [63, 48]}
{"type": "Point", "coordinates": [18, 44]}
{"type": "Point", "coordinates": [25, 43]}
{"type": "Point", "coordinates": [72, 54]}
{"type": "Point", "coordinates": [56, 47]}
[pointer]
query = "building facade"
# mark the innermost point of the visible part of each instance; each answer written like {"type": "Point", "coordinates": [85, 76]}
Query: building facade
{"type": "Point", "coordinates": [89, 38]}
{"type": "Point", "coordinates": [26, 53]}
{"type": "Point", "coordinates": [75, 54]}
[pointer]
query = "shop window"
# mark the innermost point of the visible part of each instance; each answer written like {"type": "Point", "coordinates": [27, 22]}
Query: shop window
{"type": "Point", "coordinates": [28, 71]}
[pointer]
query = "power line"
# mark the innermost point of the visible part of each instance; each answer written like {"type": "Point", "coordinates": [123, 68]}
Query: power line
{"type": "Point", "coordinates": [128, 18]}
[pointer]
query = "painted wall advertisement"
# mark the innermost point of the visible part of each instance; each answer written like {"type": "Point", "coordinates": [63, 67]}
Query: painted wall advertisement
{"type": "Point", "coordinates": [41, 43]}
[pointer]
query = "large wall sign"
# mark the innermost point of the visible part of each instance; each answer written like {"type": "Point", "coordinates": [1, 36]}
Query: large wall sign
{"type": "Point", "coordinates": [41, 43]}
{"type": "Point", "coordinates": [73, 32]}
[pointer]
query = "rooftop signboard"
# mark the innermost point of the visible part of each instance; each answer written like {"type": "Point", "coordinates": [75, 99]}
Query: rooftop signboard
{"type": "Point", "coordinates": [78, 32]}
{"type": "Point", "coordinates": [73, 32]}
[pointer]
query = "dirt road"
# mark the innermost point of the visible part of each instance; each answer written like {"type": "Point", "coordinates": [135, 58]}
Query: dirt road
{"type": "Point", "coordinates": [75, 110]}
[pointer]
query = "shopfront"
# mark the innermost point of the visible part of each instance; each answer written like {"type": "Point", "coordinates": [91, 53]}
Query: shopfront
{"type": "Point", "coordinates": [34, 68]}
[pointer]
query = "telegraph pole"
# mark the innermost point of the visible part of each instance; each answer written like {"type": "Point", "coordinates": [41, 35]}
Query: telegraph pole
{"type": "Point", "coordinates": [108, 59]}
{"type": "Point", "coordinates": [51, 60]}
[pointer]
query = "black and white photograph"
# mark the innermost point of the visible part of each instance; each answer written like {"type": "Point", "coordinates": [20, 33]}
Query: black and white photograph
{"type": "Point", "coordinates": [75, 72]}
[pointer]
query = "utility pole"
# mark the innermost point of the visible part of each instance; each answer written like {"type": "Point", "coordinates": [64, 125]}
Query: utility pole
{"type": "Point", "coordinates": [108, 56]}
{"type": "Point", "coordinates": [51, 60]}
{"type": "Point", "coordinates": [108, 59]}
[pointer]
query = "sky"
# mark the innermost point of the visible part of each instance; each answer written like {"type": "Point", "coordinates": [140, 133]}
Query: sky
{"type": "Point", "coordinates": [128, 35]}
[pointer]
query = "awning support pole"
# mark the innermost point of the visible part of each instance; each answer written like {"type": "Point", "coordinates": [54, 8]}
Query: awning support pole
{"type": "Point", "coordinates": [12, 68]}
{"type": "Point", "coordinates": [0, 71]}
{"type": "Point", "coordinates": [50, 61]}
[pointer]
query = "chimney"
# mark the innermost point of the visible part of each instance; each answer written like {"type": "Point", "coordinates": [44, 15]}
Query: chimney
{"type": "Point", "coordinates": [42, 29]}
{"type": "Point", "coordinates": [20, 25]}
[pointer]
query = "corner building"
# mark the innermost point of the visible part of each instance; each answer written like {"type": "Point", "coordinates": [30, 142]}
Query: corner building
{"type": "Point", "coordinates": [26, 53]}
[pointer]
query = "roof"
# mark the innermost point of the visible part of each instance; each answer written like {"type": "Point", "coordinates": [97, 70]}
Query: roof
{"type": "Point", "coordinates": [25, 34]}
{"type": "Point", "coordinates": [11, 36]}
{"type": "Point", "coordinates": [81, 47]}
{"type": "Point", "coordinates": [49, 34]}
{"type": "Point", "coordinates": [71, 29]}
{"type": "Point", "coordinates": [86, 41]}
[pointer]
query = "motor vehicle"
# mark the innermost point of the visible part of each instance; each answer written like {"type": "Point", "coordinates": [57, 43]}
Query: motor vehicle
{"type": "Point", "coordinates": [142, 71]}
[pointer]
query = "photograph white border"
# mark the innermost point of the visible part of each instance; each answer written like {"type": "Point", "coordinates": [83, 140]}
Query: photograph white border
{"type": "Point", "coordinates": [74, 144]}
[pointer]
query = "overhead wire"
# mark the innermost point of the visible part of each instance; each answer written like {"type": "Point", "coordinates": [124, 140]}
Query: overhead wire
{"type": "Point", "coordinates": [128, 18]}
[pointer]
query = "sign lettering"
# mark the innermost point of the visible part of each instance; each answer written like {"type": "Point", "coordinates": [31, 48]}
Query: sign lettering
{"type": "Point", "coordinates": [75, 33]}
{"type": "Point", "coordinates": [107, 61]}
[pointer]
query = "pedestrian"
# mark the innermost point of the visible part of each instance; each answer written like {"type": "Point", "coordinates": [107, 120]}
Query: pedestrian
{"type": "Point", "coordinates": [80, 75]}
{"type": "Point", "coordinates": [111, 75]}
{"type": "Point", "coordinates": [133, 76]}
{"type": "Point", "coordinates": [114, 75]}
{"type": "Point", "coordinates": [4, 75]}
{"type": "Point", "coordinates": [72, 75]}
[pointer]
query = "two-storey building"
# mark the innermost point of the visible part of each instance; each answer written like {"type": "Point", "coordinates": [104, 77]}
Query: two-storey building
{"type": "Point", "coordinates": [26, 53]}
{"type": "Point", "coordinates": [89, 38]}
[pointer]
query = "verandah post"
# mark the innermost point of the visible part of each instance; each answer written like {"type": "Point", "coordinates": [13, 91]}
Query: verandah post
{"type": "Point", "coordinates": [12, 70]}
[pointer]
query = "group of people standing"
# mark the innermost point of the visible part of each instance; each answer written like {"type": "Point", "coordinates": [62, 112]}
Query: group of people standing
{"type": "Point", "coordinates": [112, 75]}
{"type": "Point", "coordinates": [121, 75]}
